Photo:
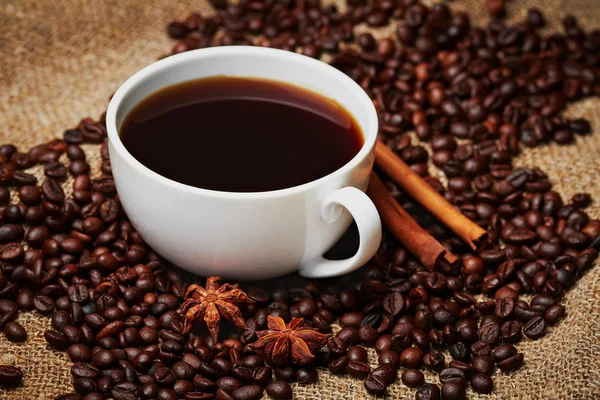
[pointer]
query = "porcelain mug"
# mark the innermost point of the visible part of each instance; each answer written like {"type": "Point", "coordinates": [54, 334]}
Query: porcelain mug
{"type": "Point", "coordinates": [256, 235]}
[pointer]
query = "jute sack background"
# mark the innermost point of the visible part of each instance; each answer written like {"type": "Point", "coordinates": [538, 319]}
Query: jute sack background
{"type": "Point", "coordinates": [60, 61]}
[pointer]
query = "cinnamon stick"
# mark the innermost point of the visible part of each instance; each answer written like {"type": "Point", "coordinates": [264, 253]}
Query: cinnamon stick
{"type": "Point", "coordinates": [413, 185]}
{"type": "Point", "coordinates": [418, 242]}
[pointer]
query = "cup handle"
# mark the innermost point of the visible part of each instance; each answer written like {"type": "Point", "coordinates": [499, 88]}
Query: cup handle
{"type": "Point", "coordinates": [367, 220]}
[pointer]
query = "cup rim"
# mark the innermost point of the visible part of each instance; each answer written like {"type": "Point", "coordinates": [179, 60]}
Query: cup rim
{"type": "Point", "coordinates": [370, 133]}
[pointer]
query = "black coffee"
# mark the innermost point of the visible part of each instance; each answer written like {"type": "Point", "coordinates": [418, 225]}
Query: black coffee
{"type": "Point", "coordinates": [240, 134]}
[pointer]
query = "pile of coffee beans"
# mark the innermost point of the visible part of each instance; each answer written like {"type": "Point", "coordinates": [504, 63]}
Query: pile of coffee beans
{"type": "Point", "coordinates": [473, 94]}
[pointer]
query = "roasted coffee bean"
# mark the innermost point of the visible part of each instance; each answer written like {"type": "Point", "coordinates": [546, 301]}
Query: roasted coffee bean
{"type": "Point", "coordinates": [10, 377]}
{"type": "Point", "coordinates": [279, 390]}
{"type": "Point", "coordinates": [25, 299]}
{"type": "Point", "coordinates": [387, 373]}
{"type": "Point", "coordinates": [307, 307]}
{"type": "Point", "coordinates": [389, 357]}
{"type": "Point", "coordinates": [535, 328]}
{"type": "Point", "coordinates": [375, 385]}
{"type": "Point", "coordinates": [481, 383]}
{"type": "Point", "coordinates": [11, 233]}
{"type": "Point", "coordinates": [52, 191]}
{"type": "Point", "coordinates": [56, 340]}
{"type": "Point", "coordinates": [489, 333]}
{"type": "Point", "coordinates": [452, 375]}
{"type": "Point", "coordinates": [435, 360]}
{"type": "Point", "coordinates": [460, 351]}
{"type": "Point", "coordinates": [411, 357]}
{"type": "Point", "coordinates": [428, 391]}
{"type": "Point", "coordinates": [481, 349]}
{"type": "Point", "coordinates": [84, 386]}
{"type": "Point", "coordinates": [504, 351]}
{"type": "Point", "coordinates": [55, 170]}
{"type": "Point", "coordinates": [554, 313]}
{"type": "Point", "coordinates": [43, 304]}
{"type": "Point", "coordinates": [357, 353]}
{"type": "Point", "coordinates": [351, 319]}
{"type": "Point", "coordinates": [306, 375]}
{"type": "Point", "coordinates": [338, 365]}
{"type": "Point", "coordinates": [511, 363]}
{"type": "Point", "coordinates": [393, 303]}
{"type": "Point", "coordinates": [248, 392]}
{"type": "Point", "coordinates": [125, 391]}
{"type": "Point", "coordinates": [229, 384]}
{"type": "Point", "coordinates": [104, 359]}
{"type": "Point", "coordinates": [358, 369]}
{"type": "Point", "coordinates": [84, 370]}
{"type": "Point", "coordinates": [511, 331]}
{"type": "Point", "coordinates": [483, 365]}
{"type": "Point", "coordinates": [413, 378]}
{"type": "Point", "coordinates": [79, 353]}
{"type": "Point", "coordinates": [79, 167]}
{"type": "Point", "coordinates": [453, 391]}
{"type": "Point", "coordinates": [15, 332]}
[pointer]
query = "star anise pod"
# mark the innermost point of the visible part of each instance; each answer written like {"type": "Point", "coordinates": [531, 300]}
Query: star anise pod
{"type": "Point", "coordinates": [212, 303]}
{"type": "Point", "coordinates": [293, 343]}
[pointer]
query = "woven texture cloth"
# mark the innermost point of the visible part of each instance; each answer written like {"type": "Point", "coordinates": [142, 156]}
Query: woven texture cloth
{"type": "Point", "coordinates": [61, 60]}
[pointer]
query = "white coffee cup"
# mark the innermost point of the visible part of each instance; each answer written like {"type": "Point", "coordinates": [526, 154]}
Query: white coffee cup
{"type": "Point", "coordinates": [255, 235]}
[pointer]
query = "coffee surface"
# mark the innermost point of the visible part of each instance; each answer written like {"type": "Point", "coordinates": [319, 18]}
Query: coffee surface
{"type": "Point", "coordinates": [240, 134]}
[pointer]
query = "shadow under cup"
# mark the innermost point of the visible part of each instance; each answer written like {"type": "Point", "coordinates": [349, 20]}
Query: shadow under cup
{"type": "Point", "coordinates": [237, 235]}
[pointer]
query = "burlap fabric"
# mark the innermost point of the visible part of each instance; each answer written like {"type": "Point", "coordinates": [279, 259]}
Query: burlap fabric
{"type": "Point", "coordinates": [60, 61]}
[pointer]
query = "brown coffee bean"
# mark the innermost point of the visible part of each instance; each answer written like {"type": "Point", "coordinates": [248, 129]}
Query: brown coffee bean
{"type": "Point", "coordinates": [357, 353]}
{"type": "Point", "coordinates": [389, 357]}
{"type": "Point", "coordinates": [504, 351]}
{"type": "Point", "coordinates": [11, 233]}
{"type": "Point", "coordinates": [554, 313]}
{"type": "Point", "coordinates": [338, 365]}
{"type": "Point", "coordinates": [56, 340]}
{"type": "Point", "coordinates": [375, 385]}
{"type": "Point", "coordinates": [511, 363]}
{"type": "Point", "coordinates": [511, 331]}
{"type": "Point", "coordinates": [79, 167]}
{"type": "Point", "coordinates": [125, 391]}
{"type": "Point", "coordinates": [55, 170]}
{"type": "Point", "coordinates": [15, 332]}
{"type": "Point", "coordinates": [393, 303]}
{"type": "Point", "coordinates": [103, 359]}
{"type": "Point", "coordinates": [84, 370]}
{"type": "Point", "coordinates": [306, 376]}
{"type": "Point", "coordinates": [229, 384]}
{"type": "Point", "coordinates": [52, 191]}
{"type": "Point", "coordinates": [428, 391]}
{"type": "Point", "coordinates": [358, 369]}
{"type": "Point", "coordinates": [535, 328]}
{"type": "Point", "coordinates": [351, 319]}
{"type": "Point", "coordinates": [411, 357]}
{"type": "Point", "coordinates": [248, 392]}
{"type": "Point", "coordinates": [489, 333]}
{"type": "Point", "coordinates": [387, 373]}
{"type": "Point", "coordinates": [377, 18]}
{"type": "Point", "coordinates": [43, 304]}
{"type": "Point", "coordinates": [279, 390]}
{"type": "Point", "coordinates": [453, 391]}
{"type": "Point", "coordinates": [413, 378]}
{"type": "Point", "coordinates": [10, 377]}
{"type": "Point", "coordinates": [481, 383]}
{"type": "Point", "coordinates": [483, 365]}
{"type": "Point", "coordinates": [79, 353]}
{"type": "Point", "coordinates": [452, 375]}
